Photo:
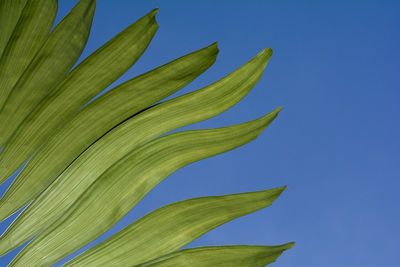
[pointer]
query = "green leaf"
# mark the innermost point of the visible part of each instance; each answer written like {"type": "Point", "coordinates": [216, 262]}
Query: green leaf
{"type": "Point", "coordinates": [28, 36]}
{"type": "Point", "coordinates": [84, 82]}
{"type": "Point", "coordinates": [10, 11]}
{"type": "Point", "coordinates": [221, 256]}
{"type": "Point", "coordinates": [169, 115]}
{"type": "Point", "coordinates": [96, 119]}
{"type": "Point", "coordinates": [124, 184]}
{"type": "Point", "coordinates": [50, 65]}
{"type": "Point", "coordinates": [171, 227]}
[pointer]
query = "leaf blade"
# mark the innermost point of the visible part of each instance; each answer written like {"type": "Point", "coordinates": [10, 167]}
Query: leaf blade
{"type": "Point", "coordinates": [169, 115]}
{"type": "Point", "coordinates": [124, 184]}
{"type": "Point", "coordinates": [30, 32]}
{"type": "Point", "coordinates": [84, 82]}
{"type": "Point", "coordinates": [171, 227]}
{"type": "Point", "coordinates": [10, 11]}
{"type": "Point", "coordinates": [62, 49]}
{"type": "Point", "coordinates": [96, 119]}
{"type": "Point", "coordinates": [234, 256]}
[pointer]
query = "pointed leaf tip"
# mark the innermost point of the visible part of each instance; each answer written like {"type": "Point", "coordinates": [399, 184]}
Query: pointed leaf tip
{"type": "Point", "coordinates": [152, 16]}
{"type": "Point", "coordinates": [280, 190]}
{"type": "Point", "coordinates": [153, 13]}
{"type": "Point", "coordinates": [273, 114]}
{"type": "Point", "coordinates": [277, 111]}
{"type": "Point", "coordinates": [267, 52]}
{"type": "Point", "coordinates": [288, 245]}
{"type": "Point", "coordinates": [291, 244]}
{"type": "Point", "coordinates": [213, 46]}
{"type": "Point", "coordinates": [274, 194]}
{"type": "Point", "coordinates": [211, 50]}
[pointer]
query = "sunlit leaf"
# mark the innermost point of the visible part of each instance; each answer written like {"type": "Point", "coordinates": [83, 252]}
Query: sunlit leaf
{"type": "Point", "coordinates": [91, 160]}
{"type": "Point", "coordinates": [124, 184]}
{"type": "Point", "coordinates": [186, 109]}
{"type": "Point", "coordinates": [84, 82]}
{"type": "Point", "coordinates": [221, 256]}
{"type": "Point", "coordinates": [171, 227]}
{"type": "Point", "coordinates": [96, 119]}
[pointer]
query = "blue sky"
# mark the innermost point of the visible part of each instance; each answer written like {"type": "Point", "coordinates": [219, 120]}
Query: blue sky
{"type": "Point", "coordinates": [336, 144]}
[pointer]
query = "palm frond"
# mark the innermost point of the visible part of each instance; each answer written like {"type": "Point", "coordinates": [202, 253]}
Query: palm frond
{"type": "Point", "coordinates": [126, 182]}
{"type": "Point", "coordinates": [96, 119]}
{"type": "Point", "coordinates": [91, 162]}
{"type": "Point", "coordinates": [169, 115]}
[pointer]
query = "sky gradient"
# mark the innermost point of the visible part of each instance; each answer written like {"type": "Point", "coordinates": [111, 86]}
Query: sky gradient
{"type": "Point", "coordinates": [336, 144]}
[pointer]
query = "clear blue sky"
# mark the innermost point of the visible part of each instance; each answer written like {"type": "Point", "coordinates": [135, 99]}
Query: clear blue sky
{"type": "Point", "coordinates": [336, 144]}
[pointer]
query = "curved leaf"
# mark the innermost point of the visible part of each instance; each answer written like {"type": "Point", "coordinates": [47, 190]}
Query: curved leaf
{"type": "Point", "coordinates": [227, 256]}
{"type": "Point", "coordinates": [84, 82]}
{"type": "Point", "coordinates": [50, 65]}
{"type": "Point", "coordinates": [96, 119]}
{"type": "Point", "coordinates": [183, 110]}
{"type": "Point", "coordinates": [10, 11]}
{"type": "Point", "coordinates": [124, 184]}
{"type": "Point", "coordinates": [171, 227]}
{"type": "Point", "coordinates": [28, 36]}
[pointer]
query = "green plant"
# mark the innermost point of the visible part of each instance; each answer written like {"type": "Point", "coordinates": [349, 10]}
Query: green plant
{"type": "Point", "coordinates": [90, 166]}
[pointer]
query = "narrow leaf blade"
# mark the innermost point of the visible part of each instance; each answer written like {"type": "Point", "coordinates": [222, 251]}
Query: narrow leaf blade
{"type": "Point", "coordinates": [123, 185]}
{"type": "Point", "coordinates": [28, 36]}
{"type": "Point", "coordinates": [232, 256]}
{"type": "Point", "coordinates": [84, 82]}
{"type": "Point", "coordinates": [171, 227]}
{"type": "Point", "coordinates": [169, 115]}
{"type": "Point", "coordinates": [103, 114]}
{"type": "Point", "coordinates": [10, 11]}
{"type": "Point", "coordinates": [50, 66]}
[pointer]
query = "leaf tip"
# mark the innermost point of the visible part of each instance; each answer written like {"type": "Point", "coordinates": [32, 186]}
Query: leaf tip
{"type": "Point", "coordinates": [214, 46]}
{"type": "Point", "coordinates": [211, 50]}
{"type": "Point", "coordinates": [151, 18]}
{"type": "Point", "coordinates": [287, 246]}
{"type": "Point", "coordinates": [279, 190]}
{"type": "Point", "coordinates": [277, 110]}
{"type": "Point", "coordinates": [267, 51]}
{"type": "Point", "coordinates": [268, 118]}
{"type": "Point", "coordinates": [154, 12]}
{"type": "Point", "coordinates": [283, 188]}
